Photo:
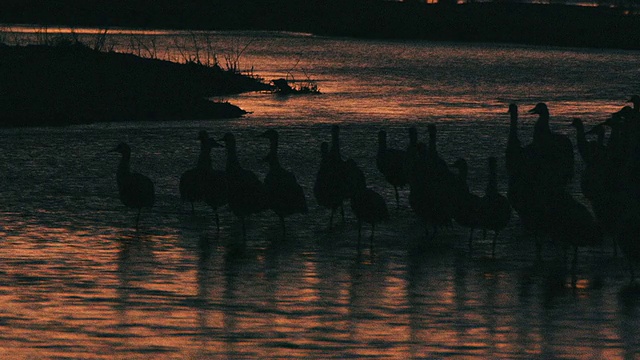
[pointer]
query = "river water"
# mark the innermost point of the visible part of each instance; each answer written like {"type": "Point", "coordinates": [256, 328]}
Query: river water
{"type": "Point", "coordinates": [78, 281]}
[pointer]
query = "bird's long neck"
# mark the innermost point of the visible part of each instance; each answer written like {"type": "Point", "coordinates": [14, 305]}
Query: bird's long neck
{"type": "Point", "coordinates": [232, 158]}
{"type": "Point", "coordinates": [581, 139]}
{"type": "Point", "coordinates": [124, 167]}
{"type": "Point", "coordinates": [204, 159]}
{"type": "Point", "coordinates": [541, 128]}
{"type": "Point", "coordinates": [272, 157]}
{"type": "Point", "coordinates": [513, 131]}
{"type": "Point", "coordinates": [433, 146]}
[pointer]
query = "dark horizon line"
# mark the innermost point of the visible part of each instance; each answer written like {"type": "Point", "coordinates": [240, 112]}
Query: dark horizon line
{"type": "Point", "coordinates": [502, 22]}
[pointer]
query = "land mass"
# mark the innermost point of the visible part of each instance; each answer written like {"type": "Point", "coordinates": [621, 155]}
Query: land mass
{"type": "Point", "coordinates": [611, 25]}
{"type": "Point", "coordinates": [70, 83]}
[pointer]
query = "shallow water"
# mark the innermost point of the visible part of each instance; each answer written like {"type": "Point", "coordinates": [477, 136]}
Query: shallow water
{"type": "Point", "coordinates": [79, 282]}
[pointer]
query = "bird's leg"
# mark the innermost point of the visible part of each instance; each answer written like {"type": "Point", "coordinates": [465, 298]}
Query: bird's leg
{"type": "Point", "coordinates": [193, 209]}
{"type": "Point", "coordinates": [470, 237]}
{"type": "Point", "coordinates": [342, 211]}
{"type": "Point", "coordinates": [217, 222]}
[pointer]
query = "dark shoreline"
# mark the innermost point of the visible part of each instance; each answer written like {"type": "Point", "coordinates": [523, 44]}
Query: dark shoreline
{"type": "Point", "coordinates": [68, 84]}
{"type": "Point", "coordinates": [534, 24]}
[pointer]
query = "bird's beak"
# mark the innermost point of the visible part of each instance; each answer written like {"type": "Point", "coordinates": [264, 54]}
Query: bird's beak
{"type": "Point", "coordinates": [533, 111]}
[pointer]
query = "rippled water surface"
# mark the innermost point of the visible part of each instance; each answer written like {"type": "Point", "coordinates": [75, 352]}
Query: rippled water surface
{"type": "Point", "coordinates": [78, 281]}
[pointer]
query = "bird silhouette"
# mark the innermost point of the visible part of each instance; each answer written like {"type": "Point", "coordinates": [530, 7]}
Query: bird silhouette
{"type": "Point", "coordinates": [330, 189]}
{"type": "Point", "coordinates": [432, 187]}
{"type": "Point", "coordinates": [585, 148]}
{"type": "Point", "coordinates": [495, 210]}
{"type": "Point", "coordinates": [571, 224]}
{"type": "Point", "coordinates": [602, 182]}
{"type": "Point", "coordinates": [368, 206]}
{"type": "Point", "coordinates": [325, 188]}
{"type": "Point", "coordinates": [247, 194]}
{"type": "Point", "coordinates": [191, 185]}
{"type": "Point", "coordinates": [466, 204]}
{"type": "Point", "coordinates": [203, 183]}
{"type": "Point", "coordinates": [555, 150]}
{"type": "Point", "coordinates": [216, 189]}
{"type": "Point", "coordinates": [440, 188]}
{"type": "Point", "coordinates": [594, 180]}
{"type": "Point", "coordinates": [391, 163]}
{"type": "Point", "coordinates": [526, 181]}
{"type": "Point", "coordinates": [136, 190]}
{"type": "Point", "coordinates": [544, 204]}
{"type": "Point", "coordinates": [286, 196]}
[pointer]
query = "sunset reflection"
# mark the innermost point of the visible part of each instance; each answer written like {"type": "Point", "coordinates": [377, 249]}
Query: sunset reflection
{"type": "Point", "coordinates": [79, 280]}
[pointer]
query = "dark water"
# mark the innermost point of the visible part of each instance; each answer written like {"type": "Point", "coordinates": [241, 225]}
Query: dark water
{"type": "Point", "coordinates": [77, 281]}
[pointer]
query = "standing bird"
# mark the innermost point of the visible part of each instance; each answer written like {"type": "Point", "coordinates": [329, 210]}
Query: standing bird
{"type": "Point", "coordinates": [432, 186]}
{"type": "Point", "coordinates": [570, 223]}
{"type": "Point", "coordinates": [586, 149]}
{"type": "Point", "coordinates": [190, 181]}
{"type": "Point", "coordinates": [440, 186]}
{"type": "Point", "coordinates": [325, 189]}
{"type": "Point", "coordinates": [286, 196]}
{"type": "Point", "coordinates": [391, 163]}
{"type": "Point", "coordinates": [495, 211]}
{"type": "Point", "coordinates": [215, 186]}
{"type": "Point", "coordinates": [203, 183]}
{"type": "Point", "coordinates": [368, 206]}
{"type": "Point", "coordinates": [555, 150]}
{"type": "Point", "coordinates": [527, 184]}
{"type": "Point", "coordinates": [330, 187]}
{"type": "Point", "coordinates": [466, 204]}
{"type": "Point", "coordinates": [136, 190]}
{"type": "Point", "coordinates": [247, 194]}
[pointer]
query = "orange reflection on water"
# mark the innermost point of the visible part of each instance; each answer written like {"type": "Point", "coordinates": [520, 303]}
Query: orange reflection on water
{"type": "Point", "coordinates": [31, 29]}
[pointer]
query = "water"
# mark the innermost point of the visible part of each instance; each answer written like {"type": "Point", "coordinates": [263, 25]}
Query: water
{"type": "Point", "coordinates": [77, 281]}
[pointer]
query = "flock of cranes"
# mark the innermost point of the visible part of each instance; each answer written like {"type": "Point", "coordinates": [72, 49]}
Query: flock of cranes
{"type": "Point", "coordinates": [538, 177]}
